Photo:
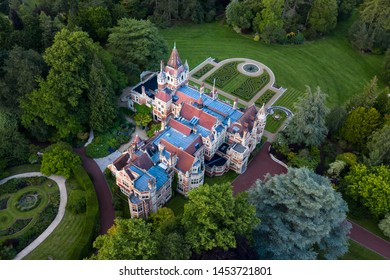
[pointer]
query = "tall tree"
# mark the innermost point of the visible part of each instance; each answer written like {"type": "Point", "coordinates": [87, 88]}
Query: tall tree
{"type": "Point", "coordinates": [271, 20]}
{"type": "Point", "coordinates": [22, 68]}
{"type": "Point", "coordinates": [238, 14]}
{"type": "Point", "coordinates": [334, 123]}
{"type": "Point", "coordinates": [101, 96]}
{"type": "Point", "coordinates": [302, 216]}
{"type": "Point", "coordinates": [59, 159]}
{"type": "Point", "coordinates": [368, 98]}
{"type": "Point", "coordinates": [360, 124]}
{"type": "Point", "coordinates": [129, 239]}
{"type": "Point", "coordinates": [370, 187]}
{"type": "Point", "coordinates": [379, 146]}
{"type": "Point", "coordinates": [13, 145]}
{"type": "Point", "coordinates": [213, 218]}
{"type": "Point", "coordinates": [308, 124]}
{"type": "Point", "coordinates": [64, 99]}
{"type": "Point", "coordinates": [138, 43]}
{"type": "Point", "coordinates": [322, 17]}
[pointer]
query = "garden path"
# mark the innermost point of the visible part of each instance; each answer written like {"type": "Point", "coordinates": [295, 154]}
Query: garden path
{"type": "Point", "coordinates": [61, 210]}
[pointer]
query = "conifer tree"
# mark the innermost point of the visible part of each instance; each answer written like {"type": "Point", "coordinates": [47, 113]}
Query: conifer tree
{"type": "Point", "coordinates": [301, 216]}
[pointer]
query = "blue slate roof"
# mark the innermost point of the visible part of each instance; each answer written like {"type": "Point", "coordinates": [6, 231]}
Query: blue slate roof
{"type": "Point", "coordinates": [160, 175]}
{"type": "Point", "coordinates": [155, 158]}
{"type": "Point", "coordinates": [136, 170]}
{"type": "Point", "coordinates": [141, 183]}
{"type": "Point", "coordinates": [176, 138]}
{"type": "Point", "coordinates": [204, 132]}
{"type": "Point", "coordinates": [134, 199]}
{"type": "Point", "coordinates": [213, 105]}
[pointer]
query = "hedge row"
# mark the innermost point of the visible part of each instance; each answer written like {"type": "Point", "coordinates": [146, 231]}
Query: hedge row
{"type": "Point", "coordinates": [265, 97]}
{"type": "Point", "coordinates": [203, 71]}
{"type": "Point", "coordinates": [224, 74]}
{"type": "Point", "coordinates": [251, 86]}
{"type": "Point", "coordinates": [92, 213]}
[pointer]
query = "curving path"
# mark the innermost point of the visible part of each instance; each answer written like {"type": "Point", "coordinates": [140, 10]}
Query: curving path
{"type": "Point", "coordinates": [61, 210]}
{"type": "Point", "coordinates": [106, 209]}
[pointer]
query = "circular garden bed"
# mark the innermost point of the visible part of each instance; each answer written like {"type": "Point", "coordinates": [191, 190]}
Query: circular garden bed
{"type": "Point", "coordinates": [27, 207]}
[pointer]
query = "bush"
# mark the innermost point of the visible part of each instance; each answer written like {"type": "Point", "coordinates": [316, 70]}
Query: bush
{"type": "Point", "coordinates": [384, 225]}
{"type": "Point", "coordinates": [76, 203]}
{"type": "Point", "coordinates": [348, 158]}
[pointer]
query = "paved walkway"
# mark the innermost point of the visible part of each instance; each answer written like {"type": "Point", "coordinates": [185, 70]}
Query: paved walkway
{"type": "Point", "coordinates": [369, 240]}
{"type": "Point", "coordinates": [61, 210]}
{"type": "Point", "coordinates": [106, 209]}
{"type": "Point", "coordinates": [258, 168]}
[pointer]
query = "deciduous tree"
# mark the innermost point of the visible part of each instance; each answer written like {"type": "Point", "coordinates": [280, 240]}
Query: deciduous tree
{"type": "Point", "coordinates": [302, 216]}
{"type": "Point", "coordinates": [213, 218]}
{"type": "Point", "coordinates": [370, 187]}
{"type": "Point", "coordinates": [360, 124]}
{"type": "Point", "coordinates": [384, 225]}
{"type": "Point", "coordinates": [59, 159]}
{"type": "Point", "coordinates": [322, 17]}
{"type": "Point", "coordinates": [129, 239]}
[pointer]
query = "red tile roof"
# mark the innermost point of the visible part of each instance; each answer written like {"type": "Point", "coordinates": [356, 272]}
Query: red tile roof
{"type": "Point", "coordinates": [191, 149]}
{"type": "Point", "coordinates": [185, 160]}
{"type": "Point", "coordinates": [121, 161]}
{"type": "Point", "coordinates": [180, 127]}
{"type": "Point", "coordinates": [143, 162]}
{"type": "Point", "coordinates": [162, 95]}
{"type": "Point", "coordinates": [206, 120]}
{"type": "Point", "coordinates": [246, 121]}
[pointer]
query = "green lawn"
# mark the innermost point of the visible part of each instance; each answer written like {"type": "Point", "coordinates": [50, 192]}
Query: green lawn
{"type": "Point", "coordinates": [228, 177]}
{"type": "Point", "coordinates": [273, 124]}
{"type": "Point", "coordinates": [330, 62]}
{"type": "Point", "coordinates": [21, 169]}
{"type": "Point", "coordinates": [176, 203]}
{"type": "Point", "coordinates": [289, 98]}
{"type": "Point", "coordinates": [358, 252]}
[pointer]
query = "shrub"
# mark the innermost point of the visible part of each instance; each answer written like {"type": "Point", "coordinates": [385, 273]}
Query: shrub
{"type": "Point", "coordinates": [348, 158]}
{"type": "Point", "coordinates": [384, 225]}
{"type": "Point", "coordinates": [76, 203]}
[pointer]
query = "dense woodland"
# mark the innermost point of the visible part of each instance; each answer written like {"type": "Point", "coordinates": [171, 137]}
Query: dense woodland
{"type": "Point", "coordinates": [63, 64]}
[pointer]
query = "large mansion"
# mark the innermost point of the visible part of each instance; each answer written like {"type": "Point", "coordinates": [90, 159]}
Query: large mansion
{"type": "Point", "coordinates": [199, 134]}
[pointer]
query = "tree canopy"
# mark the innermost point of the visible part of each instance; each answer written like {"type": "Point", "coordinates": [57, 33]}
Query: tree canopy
{"type": "Point", "coordinates": [213, 218]}
{"type": "Point", "coordinates": [127, 239]}
{"type": "Point", "coordinates": [138, 43]}
{"type": "Point", "coordinates": [379, 146]}
{"type": "Point", "coordinates": [302, 216]}
{"type": "Point", "coordinates": [359, 125]}
{"type": "Point", "coordinates": [65, 99]}
{"type": "Point", "coordinates": [308, 124]}
{"type": "Point", "coordinates": [370, 187]}
{"type": "Point", "coordinates": [59, 159]}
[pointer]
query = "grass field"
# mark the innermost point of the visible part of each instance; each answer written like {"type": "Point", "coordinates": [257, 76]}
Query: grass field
{"type": "Point", "coordinates": [289, 98]}
{"type": "Point", "coordinates": [358, 252]}
{"type": "Point", "coordinates": [330, 62]}
{"type": "Point", "coordinates": [274, 124]}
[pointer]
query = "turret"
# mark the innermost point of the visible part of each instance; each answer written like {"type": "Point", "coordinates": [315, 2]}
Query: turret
{"type": "Point", "coordinates": [161, 78]}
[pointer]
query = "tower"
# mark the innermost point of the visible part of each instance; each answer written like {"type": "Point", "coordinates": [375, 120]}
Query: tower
{"type": "Point", "coordinates": [259, 125]}
{"type": "Point", "coordinates": [161, 77]}
{"type": "Point", "coordinates": [176, 72]}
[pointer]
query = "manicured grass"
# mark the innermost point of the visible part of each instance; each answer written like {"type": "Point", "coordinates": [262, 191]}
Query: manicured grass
{"type": "Point", "coordinates": [203, 71]}
{"type": "Point", "coordinates": [273, 124]}
{"type": "Point", "coordinates": [62, 243]}
{"type": "Point", "coordinates": [265, 97]}
{"type": "Point", "coordinates": [21, 169]}
{"type": "Point", "coordinates": [251, 86]}
{"type": "Point", "coordinates": [330, 62]}
{"type": "Point", "coordinates": [177, 203]}
{"type": "Point", "coordinates": [224, 75]}
{"type": "Point", "coordinates": [358, 252]}
{"type": "Point", "coordinates": [228, 177]}
{"type": "Point", "coordinates": [235, 83]}
{"type": "Point", "coordinates": [289, 98]}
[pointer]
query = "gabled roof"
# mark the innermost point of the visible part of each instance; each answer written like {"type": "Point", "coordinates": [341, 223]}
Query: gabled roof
{"type": "Point", "coordinates": [245, 122]}
{"type": "Point", "coordinates": [206, 120]}
{"type": "Point", "coordinates": [174, 60]}
{"type": "Point", "coordinates": [191, 149]}
{"type": "Point", "coordinates": [143, 162]}
{"type": "Point", "coordinates": [121, 161]}
{"type": "Point", "coordinates": [185, 160]}
{"type": "Point", "coordinates": [179, 127]}
{"type": "Point", "coordinates": [162, 95]}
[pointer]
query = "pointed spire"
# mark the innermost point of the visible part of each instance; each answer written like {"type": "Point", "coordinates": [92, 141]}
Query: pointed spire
{"type": "Point", "coordinates": [174, 45]}
{"type": "Point", "coordinates": [174, 60]}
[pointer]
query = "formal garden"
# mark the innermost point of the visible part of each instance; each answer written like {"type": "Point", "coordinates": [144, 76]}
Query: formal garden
{"type": "Point", "coordinates": [229, 79]}
{"type": "Point", "coordinates": [201, 72]}
{"type": "Point", "coordinates": [27, 208]}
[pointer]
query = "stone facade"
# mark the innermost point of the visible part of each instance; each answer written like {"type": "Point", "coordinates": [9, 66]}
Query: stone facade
{"type": "Point", "coordinates": [199, 134]}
